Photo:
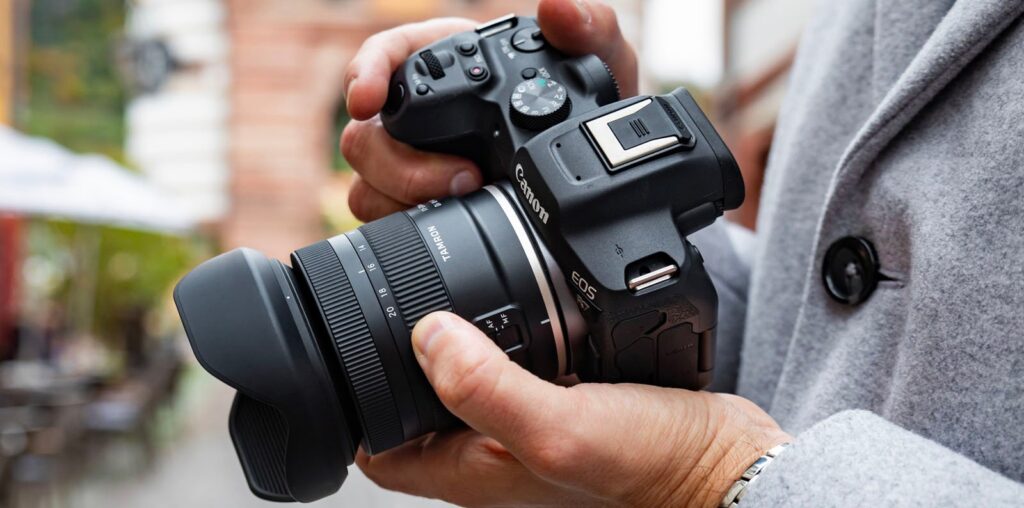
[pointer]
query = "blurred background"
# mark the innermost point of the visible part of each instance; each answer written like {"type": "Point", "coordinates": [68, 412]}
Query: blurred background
{"type": "Point", "coordinates": [139, 137]}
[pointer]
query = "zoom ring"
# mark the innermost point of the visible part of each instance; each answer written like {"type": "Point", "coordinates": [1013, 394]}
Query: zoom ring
{"type": "Point", "coordinates": [408, 267]}
{"type": "Point", "coordinates": [337, 302]}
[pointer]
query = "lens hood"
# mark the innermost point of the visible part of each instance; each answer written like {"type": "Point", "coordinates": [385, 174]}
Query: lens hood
{"type": "Point", "coordinates": [243, 316]}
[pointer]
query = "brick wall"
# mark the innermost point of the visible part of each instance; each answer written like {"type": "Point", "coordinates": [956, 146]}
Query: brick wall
{"type": "Point", "coordinates": [287, 63]}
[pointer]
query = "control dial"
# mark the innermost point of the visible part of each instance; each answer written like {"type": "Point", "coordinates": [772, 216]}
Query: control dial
{"type": "Point", "coordinates": [539, 103]}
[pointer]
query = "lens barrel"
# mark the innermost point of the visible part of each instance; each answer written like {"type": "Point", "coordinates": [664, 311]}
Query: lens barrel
{"type": "Point", "coordinates": [352, 301]}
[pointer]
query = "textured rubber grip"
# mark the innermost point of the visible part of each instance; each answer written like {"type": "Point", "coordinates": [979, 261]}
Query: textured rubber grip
{"type": "Point", "coordinates": [354, 342]}
{"type": "Point", "coordinates": [260, 434]}
{"type": "Point", "coordinates": [408, 267]}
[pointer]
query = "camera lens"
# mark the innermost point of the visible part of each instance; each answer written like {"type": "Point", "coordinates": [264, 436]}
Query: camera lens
{"type": "Point", "coordinates": [320, 352]}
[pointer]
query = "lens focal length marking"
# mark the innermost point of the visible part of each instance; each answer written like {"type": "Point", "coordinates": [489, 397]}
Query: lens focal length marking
{"type": "Point", "coordinates": [372, 269]}
{"type": "Point", "coordinates": [362, 264]}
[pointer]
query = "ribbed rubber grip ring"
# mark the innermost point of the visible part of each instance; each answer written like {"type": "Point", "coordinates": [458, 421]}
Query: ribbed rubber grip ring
{"type": "Point", "coordinates": [357, 352]}
{"type": "Point", "coordinates": [408, 267]}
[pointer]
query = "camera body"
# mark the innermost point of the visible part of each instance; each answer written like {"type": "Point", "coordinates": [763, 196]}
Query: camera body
{"type": "Point", "coordinates": [612, 188]}
{"type": "Point", "coordinates": [454, 96]}
{"type": "Point", "coordinates": [575, 260]}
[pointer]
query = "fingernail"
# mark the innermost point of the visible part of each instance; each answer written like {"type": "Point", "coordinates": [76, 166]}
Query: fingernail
{"type": "Point", "coordinates": [431, 327]}
{"type": "Point", "coordinates": [462, 183]}
{"type": "Point", "coordinates": [348, 91]}
{"type": "Point", "coordinates": [584, 11]}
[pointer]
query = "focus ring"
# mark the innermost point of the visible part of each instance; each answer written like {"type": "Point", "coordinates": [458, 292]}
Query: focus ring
{"type": "Point", "coordinates": [360, 360]}
{"type": "Point", "coordinates": [408, 267]}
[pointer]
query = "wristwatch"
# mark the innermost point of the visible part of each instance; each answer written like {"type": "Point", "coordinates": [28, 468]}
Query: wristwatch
{"type": "Point", "coordinates": [739, 489]}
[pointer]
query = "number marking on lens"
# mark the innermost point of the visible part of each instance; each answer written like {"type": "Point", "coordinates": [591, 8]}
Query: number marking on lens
{"type": "Point", "coordinates": [377, 280]}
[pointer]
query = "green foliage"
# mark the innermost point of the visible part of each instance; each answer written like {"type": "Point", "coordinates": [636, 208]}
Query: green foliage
{"type": "Point", "coordinates": [75, 95]}
{"type": "Point", "coordinates": [114, 271]}
{"type": "Point", "coordinates": [341, 119]}
{"type": "Point", "coordinates": [93, 275]}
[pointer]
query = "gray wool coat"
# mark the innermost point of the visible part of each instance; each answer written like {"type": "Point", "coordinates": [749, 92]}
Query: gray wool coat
{"type": "Point", "coordinates": [904, 124]}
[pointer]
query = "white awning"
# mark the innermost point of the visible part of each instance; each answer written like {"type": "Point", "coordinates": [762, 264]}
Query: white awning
{"type": "Point", "coordinates": [41, 178]}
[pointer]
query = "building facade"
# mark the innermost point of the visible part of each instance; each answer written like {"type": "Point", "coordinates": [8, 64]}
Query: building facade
{"type": "Point", "coordinates": [241, 115]}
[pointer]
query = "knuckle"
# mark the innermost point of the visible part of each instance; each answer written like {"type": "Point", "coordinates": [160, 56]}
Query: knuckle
{"type": "Point", "coordinates": [357, 202]}
{"type": "Point", "coordinates": [555, 452]}
{"type": "Point", "coordinates": [353, 142]}
{"type": "Point", "coordinates": [379, 39]}
{"type": "Point", "coordinates": [417, 180]}
{"type": "Point", "coordinates": [607, 12]}
{"type": "Point", "coordinates": [386, 39]}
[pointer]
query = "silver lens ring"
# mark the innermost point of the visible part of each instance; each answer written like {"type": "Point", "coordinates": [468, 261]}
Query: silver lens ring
{"type": "Point", "coordinates": [543, 284]}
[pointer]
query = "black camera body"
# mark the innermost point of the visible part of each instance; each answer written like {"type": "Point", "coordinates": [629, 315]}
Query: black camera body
{"type": "Point", "coordinates": [613, 188]}
{"type": "Point", "coordinates": [574, 261]}
{"type": "Point", "coordinates": [455, 95]}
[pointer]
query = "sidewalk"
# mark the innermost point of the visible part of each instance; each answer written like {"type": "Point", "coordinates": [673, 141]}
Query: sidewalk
{"type": "Point", "coordinates": [200, 469]}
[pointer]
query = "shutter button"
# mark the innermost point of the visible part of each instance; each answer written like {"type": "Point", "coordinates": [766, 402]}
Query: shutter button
{"type": "Point", "coordinates": [850, 270]}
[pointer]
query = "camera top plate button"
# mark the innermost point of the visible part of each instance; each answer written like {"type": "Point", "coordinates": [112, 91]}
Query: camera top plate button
{"type": "Point", "coordinates": [528, 40]}
{"type": "Point", "coordinates": [634, 132]}
{"type": "Point", "coordinates": [477, 72]}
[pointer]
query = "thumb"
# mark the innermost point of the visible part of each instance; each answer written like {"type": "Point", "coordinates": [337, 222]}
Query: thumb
{"type": "Point", "coordinates": [579, 27]}
{"type": "Point", "coordinates": [478, 383]}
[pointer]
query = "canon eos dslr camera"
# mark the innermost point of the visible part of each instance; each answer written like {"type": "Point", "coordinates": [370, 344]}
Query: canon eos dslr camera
{"type": "Point", "coordinates": [574, 261]}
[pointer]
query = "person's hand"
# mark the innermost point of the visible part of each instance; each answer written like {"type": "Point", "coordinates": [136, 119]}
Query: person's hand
{"type": "Point", "coordinates": [394, 176]}
{"type": "Point", "coordinates": [531, 442]}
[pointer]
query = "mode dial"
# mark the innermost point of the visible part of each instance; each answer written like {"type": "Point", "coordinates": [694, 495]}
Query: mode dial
{"type": "Point", "coordinates": [539, 103]}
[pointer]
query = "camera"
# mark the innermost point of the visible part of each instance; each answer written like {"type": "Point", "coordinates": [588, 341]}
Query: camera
{"type": "Point", "coordinates": [574, 260]}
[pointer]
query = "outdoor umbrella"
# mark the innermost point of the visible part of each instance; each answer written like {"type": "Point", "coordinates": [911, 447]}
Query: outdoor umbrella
{"type": "Point", "coordinates": [41, 178]}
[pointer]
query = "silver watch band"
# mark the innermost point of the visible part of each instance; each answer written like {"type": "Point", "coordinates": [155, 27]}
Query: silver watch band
{"type": "Point", "coordinates": [739, 489]}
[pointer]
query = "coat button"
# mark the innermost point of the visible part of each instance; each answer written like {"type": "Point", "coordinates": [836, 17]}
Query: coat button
{"type": "Point", "coordinates": [850, 270]}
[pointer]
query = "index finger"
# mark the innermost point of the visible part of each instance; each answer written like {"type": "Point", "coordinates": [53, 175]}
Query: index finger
{"type": "Point", "coordinates": [369, 72]}
{"type": "Point", "coordinates": [462, 467]}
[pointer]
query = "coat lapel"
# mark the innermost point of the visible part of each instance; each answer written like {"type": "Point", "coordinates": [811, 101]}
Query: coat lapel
{"type": "Point", "coordinates": [967, 28]}
{"type": "Point", "coordinates": [900, 31]}
{"type": "Point", "coordinates": [962, 34]}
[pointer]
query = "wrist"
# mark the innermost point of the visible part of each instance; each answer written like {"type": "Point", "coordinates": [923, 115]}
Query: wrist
{"type": "Point", "coordinates": [736, 444]}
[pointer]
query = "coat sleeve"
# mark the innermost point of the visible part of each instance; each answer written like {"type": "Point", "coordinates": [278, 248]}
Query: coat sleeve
{"type": "Point", "coordinates": [856, 458]}
{"type": "Point", "coordinates": [730, 271]}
